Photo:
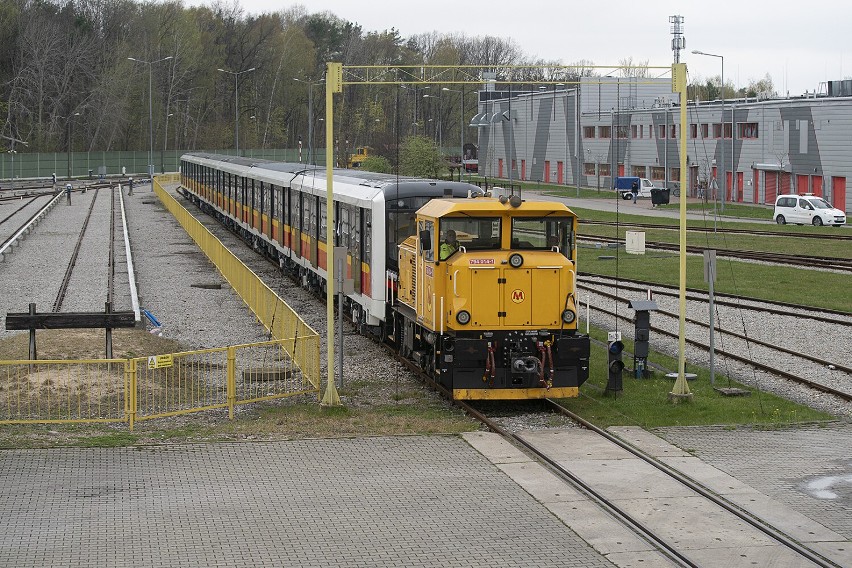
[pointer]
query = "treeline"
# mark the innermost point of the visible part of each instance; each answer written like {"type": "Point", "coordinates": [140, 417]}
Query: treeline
{"type": "Point", "coordinates": [75, 75]}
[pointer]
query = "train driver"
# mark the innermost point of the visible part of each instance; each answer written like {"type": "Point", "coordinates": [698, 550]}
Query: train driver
{"type": "Point", "coordinates": [449, 246]}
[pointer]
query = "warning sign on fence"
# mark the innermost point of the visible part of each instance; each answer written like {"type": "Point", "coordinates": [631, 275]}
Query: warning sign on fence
{"type": "Point", "coordinates": [160, 361]}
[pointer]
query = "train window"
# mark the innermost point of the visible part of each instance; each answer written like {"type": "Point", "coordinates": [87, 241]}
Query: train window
{"type": "Point", "coordinates": [543, 233]}
{"type": "Point", "coordinates": [474, 233]}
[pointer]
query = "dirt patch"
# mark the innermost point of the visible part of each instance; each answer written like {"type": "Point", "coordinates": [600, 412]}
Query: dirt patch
{"type": "Point", "coordinates": [87, 344]}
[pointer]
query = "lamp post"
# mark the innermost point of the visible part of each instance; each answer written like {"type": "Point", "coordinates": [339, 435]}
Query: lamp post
{"type": "Point", "coordinates": [722, 153]}
{"type": "Point", "coordinates": [310, 85]}
{"type": "Point", "coordinates": [437, 128]}
{"type": "Point", "coordinates": [461, 121]}
{"type": "Point", "coordinates": [150, 65]}
{"type": "Point", "coordinates": [68, 120]}
{"type": "Point", "coordinates": [236, 75]}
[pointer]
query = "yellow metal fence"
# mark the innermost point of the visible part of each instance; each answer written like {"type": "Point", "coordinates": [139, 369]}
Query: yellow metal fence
{"type": "Point", "coordinates": [129, 390]}
{"type": "Point", "coordinates": [273, 312]}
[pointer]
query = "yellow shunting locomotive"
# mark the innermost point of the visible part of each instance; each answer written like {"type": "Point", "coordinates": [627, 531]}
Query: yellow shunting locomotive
{"type": "Point", "coordinates": [486, 298]}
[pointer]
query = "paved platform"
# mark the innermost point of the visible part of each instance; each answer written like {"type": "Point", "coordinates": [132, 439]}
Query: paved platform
{"type": "Point", "coordinates": [401, 501]}
{"type": "Point", "coordinates": [414, 501]}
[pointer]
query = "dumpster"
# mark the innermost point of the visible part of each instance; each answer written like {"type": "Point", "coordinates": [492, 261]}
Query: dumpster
{"type": "Point", "coordinates": [660, 196]}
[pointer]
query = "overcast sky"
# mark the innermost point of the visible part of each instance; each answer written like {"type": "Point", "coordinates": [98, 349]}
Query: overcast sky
{"type": "Point", "coordinates": [800, 44]}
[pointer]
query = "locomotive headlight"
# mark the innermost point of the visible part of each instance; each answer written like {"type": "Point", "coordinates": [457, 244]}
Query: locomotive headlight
{"type": "Point", "coordinates": [463, 317]}
{"type": "Point", "coordinates": [568, 316]}
{"type": "Point", "coordinates": [516, 260]}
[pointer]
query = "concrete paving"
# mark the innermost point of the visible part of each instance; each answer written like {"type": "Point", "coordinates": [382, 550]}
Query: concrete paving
{"type": "Point", "coordinates": [401, 501]}
{"type": "Point", "coordinates": [701, 530]}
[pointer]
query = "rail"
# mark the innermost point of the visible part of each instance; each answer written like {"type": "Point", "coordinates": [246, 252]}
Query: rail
{"type": "Point", "coordinates": [28, 225]}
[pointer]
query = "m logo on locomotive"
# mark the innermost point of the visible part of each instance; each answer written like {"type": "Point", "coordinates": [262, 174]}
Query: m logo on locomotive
{"type": "Point", "coordinates": [518, 296]}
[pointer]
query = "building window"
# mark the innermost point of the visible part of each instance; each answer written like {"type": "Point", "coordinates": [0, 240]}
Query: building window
{"type": "Point", "coordinates": [673, 131]}
{"type": "Point", "coordinates": [693, 131]}
{"type": "Point", "coordinates": [638, 171]}
{"type": "Point", "coordinates": [674, 173]}
{"type": "Point", "coordinates": [641, 131]}
{"type": "Point", "coordinates": [728, 130]}
{"type": "Point", "coordinates": [747, 130]}
{"type": "Point", "coordinates": [658, 173]}
{"type": "Point", "coordinates": [588, 132]}
{"type": "Point", "coordinates": [705, 128]}
{"type": "Point", "coordinates": [662, 134]}
{"type": "Point", "coordinates": [604, 132]}
{"type": "Point", "coordinates": [589, 169]}
{"type": "Point", "coordinates": [621, 131]}
{"type": "Point", "coordinates": [605, 169]}
{"type": "Point", "coordinates": [717, 130]}
{"type": "Point", "coordinates": [634, 131]}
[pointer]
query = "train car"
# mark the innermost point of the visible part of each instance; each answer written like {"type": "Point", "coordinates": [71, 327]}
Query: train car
{"type": "Point", "coordinates": [280, 208]}
{"type": "Point", "coordinates": [471, 319]}
{"type": "Point", "coordinates": [487, 299]}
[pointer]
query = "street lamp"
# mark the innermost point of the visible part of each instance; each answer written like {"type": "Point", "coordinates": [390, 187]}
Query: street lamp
{"type": "Point", "coordinates": [722, 157]}
{"type": "Point", "coordinates": [310, 85]}
{"type": "Point", "coordinates": [461, 122]}
{"type": "Point", "coordinates": [150, 65]}
{"type": "Point", "coordinates": [437, 127]}
{"type": "Point", "coordinates": [236, 75]}
{"type": "Point", "coordinates": [68, 120]}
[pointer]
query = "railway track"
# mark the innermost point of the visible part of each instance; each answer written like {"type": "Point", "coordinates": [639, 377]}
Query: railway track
{"type": "Point", "coordinates": [785, 355]}
{"type": "Point", "coordinates": [756, 232]}
{"type": "Point", "coordinates": [647, 528]}
{"type": "Point", "coordinates": [72, 261]}
{"type": "Point", "coordinates": [810, 261]}
{"type": "Point", "coordinates": [767, 306]}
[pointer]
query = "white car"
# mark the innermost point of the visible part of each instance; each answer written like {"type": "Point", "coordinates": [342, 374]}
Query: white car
{"type": "Point", "coordinates": [807, 208]}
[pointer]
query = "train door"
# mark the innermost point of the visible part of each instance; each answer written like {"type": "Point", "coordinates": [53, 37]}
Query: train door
{"type": "Point", "coordinates": [298, 222]}
{"type": "Point", "coordinates": [355, 249]}
{"type": "Point", "coordinates": [316, 225]}
{"type": "Point", "coordinates": [367, 253]}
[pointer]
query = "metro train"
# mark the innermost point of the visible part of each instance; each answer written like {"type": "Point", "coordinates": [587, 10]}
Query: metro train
{"type": "Point", "coordinates": [492, 316]}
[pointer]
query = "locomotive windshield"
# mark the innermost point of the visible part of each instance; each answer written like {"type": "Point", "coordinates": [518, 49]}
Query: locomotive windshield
{"type": "Point", "coordinates": [543, 233]}
{"type": "Point", "coordinates": [473, 233]}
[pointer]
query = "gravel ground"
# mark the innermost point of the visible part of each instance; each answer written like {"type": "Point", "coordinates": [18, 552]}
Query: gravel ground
{"type": "Point", "coordinates": [792, 332]}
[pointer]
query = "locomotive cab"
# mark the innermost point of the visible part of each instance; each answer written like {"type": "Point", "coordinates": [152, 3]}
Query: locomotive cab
{"type": "Point", "coordinates": [490, 287]}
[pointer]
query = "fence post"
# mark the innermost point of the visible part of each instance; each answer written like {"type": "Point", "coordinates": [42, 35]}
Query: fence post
{"type": "Point", "coordinates": [232, 381]}
{"type": "Point", "coordinates": [130, 392]}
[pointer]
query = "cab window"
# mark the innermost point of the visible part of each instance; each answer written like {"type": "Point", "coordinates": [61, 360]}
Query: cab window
{"type": "Point", "coordinates": [543, 233]}
{"type": "Point", "coordinates": [473, 233]}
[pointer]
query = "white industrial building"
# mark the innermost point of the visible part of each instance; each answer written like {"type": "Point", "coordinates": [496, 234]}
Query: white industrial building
{"type": "Point", "coordinates": [582, 134]}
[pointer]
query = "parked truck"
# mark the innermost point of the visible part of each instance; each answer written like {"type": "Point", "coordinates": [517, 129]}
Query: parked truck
{"type": "Point", "coordinates": [624, 185]}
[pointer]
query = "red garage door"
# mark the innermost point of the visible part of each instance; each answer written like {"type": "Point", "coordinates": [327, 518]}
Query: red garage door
{"type": "Point", "coordinates": [771, 187]}
{"type": "Point", "coordinates": [801, 184]}
{"type": "Point", "coordinates": [838, 192]}
{"type": "Point", "coordinates": [816, 185]}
